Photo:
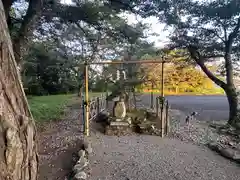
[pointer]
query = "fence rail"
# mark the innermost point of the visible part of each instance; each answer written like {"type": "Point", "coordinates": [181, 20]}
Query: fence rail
{"type": "Point", "coordinates": [162, 111]}
{"type": "Point", "coordinates": [96, 105]}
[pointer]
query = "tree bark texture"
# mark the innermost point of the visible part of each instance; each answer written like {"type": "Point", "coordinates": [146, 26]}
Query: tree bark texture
{"type": "Point", "coordinates": [230, 89]}
{"type": "Point", "coordinates": [18, 150]}
{"type": "Point", "coordinates": [233, 104]}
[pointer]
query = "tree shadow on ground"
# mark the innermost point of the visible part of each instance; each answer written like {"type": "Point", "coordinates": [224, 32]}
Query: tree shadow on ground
{"type": "Point", "coordinates": [60, 167]}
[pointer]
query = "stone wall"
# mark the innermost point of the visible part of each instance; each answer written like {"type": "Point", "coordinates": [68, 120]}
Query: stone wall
{"type": "Point", "coordinates": [82, 166]}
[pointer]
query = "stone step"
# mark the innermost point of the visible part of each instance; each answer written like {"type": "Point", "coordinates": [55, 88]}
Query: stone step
{"type": "Point", "coordinates": [118, 123]}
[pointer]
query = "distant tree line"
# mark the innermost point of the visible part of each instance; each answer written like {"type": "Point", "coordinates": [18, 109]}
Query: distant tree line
{"type": "Point", "coordinates": [177, 79]}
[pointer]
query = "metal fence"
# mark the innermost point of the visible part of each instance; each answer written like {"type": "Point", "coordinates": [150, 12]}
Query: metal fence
{"type": "Point", "coordinates": [97, 105]}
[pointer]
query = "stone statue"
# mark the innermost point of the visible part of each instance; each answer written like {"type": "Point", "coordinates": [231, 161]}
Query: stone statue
{"type": "Point", "coordinates": [119, 109]}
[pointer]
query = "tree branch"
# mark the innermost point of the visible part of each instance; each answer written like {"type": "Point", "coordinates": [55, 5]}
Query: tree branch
{"type": "Point", "coordinates": [124, 5]}
{"type": "Point", "coordinates": [228, 50]}
{"type": "Point", "coordinates": [200, 61]}
{"type": "Point", "coordinates": [212, 56]}
{"type": "Point", "coordinates": [71, 13]}
{"type": "Point", "coordinates": [232, 36]}
{"type": "Point", "coordinates": [7, 6]}
{"type": "Point", "coordinates": [33, 12]}
{"type": "Point", "coordinates": [224, 30]}
{"type": "Point", "coordinates": [216, 34]}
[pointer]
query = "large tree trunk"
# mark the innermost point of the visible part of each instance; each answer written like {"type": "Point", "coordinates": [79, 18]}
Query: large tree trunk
{"type": "Point", "coordinates": [18, 150]}
{"type": "Point", "coordinates": [233, 104]}
{"type": "Point", "coordinates": [230, 91]}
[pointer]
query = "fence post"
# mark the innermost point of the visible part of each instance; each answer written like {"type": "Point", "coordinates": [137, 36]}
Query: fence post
{"type": "Point", "coordinates": [152, 97]}
{"type": "Point", "coordinates": [98, 104]}
{"type": "Point", "coordinates": [162, 118]}
{"type": "Point", "coordinates": [106, 100]}
{"type": "Point", "coordinates": [167, 118]}
{"type": "Point", "coordinates": [157, 106]}
{"type": "Point", "coordinates": [83, 115]}
{"type": "Point", "coordinates": [101, 105]}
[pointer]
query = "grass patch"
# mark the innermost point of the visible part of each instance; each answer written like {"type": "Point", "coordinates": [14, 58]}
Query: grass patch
{"type": "Point", "coordinates": [47, 108]}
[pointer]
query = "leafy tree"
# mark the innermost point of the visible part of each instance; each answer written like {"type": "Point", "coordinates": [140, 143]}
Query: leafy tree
{"type": "Point", "coordinates": [208, 29]}
{"type": "Point", "coordinates": [46, 72]}
{"type": "Point", "coordinates": [51, 17]}
{"type": "Point", "coordinates": [179, 76]}
{"type": "Point", "coordinates": [91, 34]}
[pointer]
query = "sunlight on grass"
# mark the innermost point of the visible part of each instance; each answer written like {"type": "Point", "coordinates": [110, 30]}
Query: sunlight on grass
{"type": "Point", "coordinates": [47, 108]}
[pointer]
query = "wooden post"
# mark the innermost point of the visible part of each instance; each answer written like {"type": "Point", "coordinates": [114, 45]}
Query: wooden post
{"type": "Point", "coordinates": [162, 87]}
{"type": "Point", "coordinates": [98, 105]}
{"type": "Point", "coordinates": [134, 99]}
{"type": "Point", "coordinates": [162, 101]}
{"type": "Point", "coordinates": [157, 106]}
{"type": "Point", "coordinates": [83, 115]}
{"type": "Point", "coordinates": [162, 119]}
{"type": "Point", "coordinates": [101, 105]}
{"type": "Point", "coordinates": [106, 96]}
{"type": "Point", "coordinates": [152, 97]}
{"type": "Point", "coordinates": [86, 130]}
{"type": "Point", "coordinates": [167, 118]}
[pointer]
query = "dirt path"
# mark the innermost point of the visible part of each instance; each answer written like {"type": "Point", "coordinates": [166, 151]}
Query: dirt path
{"type": "Point", "coordinates": [153, 158]}
{"type": "Point", "coordinates": [58, 145]}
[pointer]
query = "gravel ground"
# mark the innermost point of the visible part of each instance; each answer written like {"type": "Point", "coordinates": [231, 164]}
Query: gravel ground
{"type": "Point", "coordinates": [59, 143]}
{"type": "Point", "coordinates": [150, 157]}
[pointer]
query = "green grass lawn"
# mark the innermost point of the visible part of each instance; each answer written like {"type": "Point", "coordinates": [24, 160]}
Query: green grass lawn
{"type": "Point", "coordinates": [47, 108]}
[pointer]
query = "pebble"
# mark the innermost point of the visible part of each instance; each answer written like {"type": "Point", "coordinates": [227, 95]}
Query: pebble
{"type": "Point", "coordinates": [81, 153]}
{"type": "Point", "coordinates": [87, 147]}
{"type": "Point", "coordinates": [81, 176]}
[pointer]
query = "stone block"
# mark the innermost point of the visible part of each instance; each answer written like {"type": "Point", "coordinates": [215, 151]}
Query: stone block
{"type": "Point", "coordinates": [78, 167]}
{"type": "Point", "coordinates": [129, 120]}
{"type": "Point", "coordinates": [118, 119]}
{"type": "Point", "coordinates": [118, 123]}
{"type": "Point", "coordinates": [118, 130]}
{"type": "Point", "coordinates": [230, 153]}
{"type": "Point", "coordinates": [82, 163]}
{"type": "Point", "coordinates": [149, 129]}
{"type": "Point", "coordinates": [214, 146]}
{"type": "Point", "coordinates": [80, 176]}
{"type": "Point", "coordinates": [87, 147]}
{"type": "Point", "coordinates": [81, 153]}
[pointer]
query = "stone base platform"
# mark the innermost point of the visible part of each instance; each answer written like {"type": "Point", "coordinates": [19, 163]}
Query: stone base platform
{"type": "Point", "coordinates": [118, 129]}
{"type": "Point", "coordinates": [149, 130]}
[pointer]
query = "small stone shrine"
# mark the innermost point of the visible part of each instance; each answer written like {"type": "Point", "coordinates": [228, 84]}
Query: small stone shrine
{"type": "Point", "coordinates": [123, 121]}
{"type": "Point", "coordinates": [119, 109]}
{"type": "Point", "coordinates": [119, 124]}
